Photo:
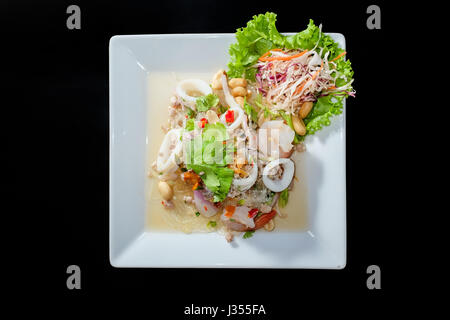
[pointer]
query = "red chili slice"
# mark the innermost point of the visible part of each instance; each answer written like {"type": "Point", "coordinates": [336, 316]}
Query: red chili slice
{"type": "Point", "coordinates": [252, 213]}
{"type": "Point", "coordinates": [229, 116]}
{"type": "Point", "coordinates": [202, 123]}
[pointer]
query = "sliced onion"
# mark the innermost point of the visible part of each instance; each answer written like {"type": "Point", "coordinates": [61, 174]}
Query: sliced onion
{"type": "Point", "coordinates": [205, 207]}
{"type": "Point", "coordinates": [286, 178]}
{"type": "Point", "coordinates": [170, 149]}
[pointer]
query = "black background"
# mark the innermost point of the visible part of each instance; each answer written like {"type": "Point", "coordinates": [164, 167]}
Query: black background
{"type": "Point", "coordinates": [56, 121]}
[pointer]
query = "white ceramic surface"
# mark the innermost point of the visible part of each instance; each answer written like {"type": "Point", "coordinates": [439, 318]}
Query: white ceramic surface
{"type": "Point", "coordinates": [323, 246]}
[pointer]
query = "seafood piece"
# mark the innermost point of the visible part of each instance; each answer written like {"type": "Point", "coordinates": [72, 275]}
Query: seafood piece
{"type": "Point", "coordinates": [259, 222]}
{"type": "Point", "coordinates": [278, 185]}
{"type": "Point", "coordinates": [170, 150]}
{"type": "Point", "coordinates": [237, 218]}
{"type": "Point", "coordinates": [246, 183]}
{"type": "Point", "coordinates": [263, 219]}
{"type": "Point", "coordinates": [275, 139]}
{"type": "Point", "coordinates": [189, 90]}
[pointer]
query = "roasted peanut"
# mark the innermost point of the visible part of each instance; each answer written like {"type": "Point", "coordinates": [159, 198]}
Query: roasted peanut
{"type": "Point", "coordinates": [240, 101]}
{"type": "Point", "coordinates": [249, 94]}
{"type": "Point", "coordinates": [216, 82]}
{"type": "Point", "coordinates": [269, 226]}
{"type": "Point", "coordinates": [237, 82]}
{"type": "Point", "coordinates": [239, 91]}
{"type": "Point", "coordinates": [165, 190]}
{"type": "Point", "coordinates": [305, 109]}
{"type": "Point", "coordinates": [298, 124]}
{"type": "Point", "coordinates": [212, 117]}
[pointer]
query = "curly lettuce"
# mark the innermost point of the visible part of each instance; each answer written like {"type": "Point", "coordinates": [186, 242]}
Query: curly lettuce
{"type": "Point", "coordinates": [323, 109]}
{"type": "Point", "coordinates": [261, 35]}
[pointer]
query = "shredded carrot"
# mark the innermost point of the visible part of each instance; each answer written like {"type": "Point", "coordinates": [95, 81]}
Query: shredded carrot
{"type": "Point", "coordinates": [195, 186]}
{"type": "Point", "coordinates": [229, 211]}
{"type": "Point", "coordinates": [312, 78]}
{"type": "Point", "coordinates": [268, 52]}
{"type": "Point", "coordinates": [332, 87]}
{"type": "Point", "coordinates": [300, 88]}
{"type": "Point", "coordinates": [283, 58]}
{"type": "Point", "coordinates": [341, 55]}
{"type": "Point", "coordinates": [317, 72]}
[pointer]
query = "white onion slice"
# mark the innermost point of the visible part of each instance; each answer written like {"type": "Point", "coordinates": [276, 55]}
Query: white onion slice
{"type": "Point", "coordinates": [186, 87]}
{"type": "Point", "coordinates": [170, 149]}
{"type": "Point", "coordinates": [240, 215]}
{"type": "Point", "coordinates": [286, 178]}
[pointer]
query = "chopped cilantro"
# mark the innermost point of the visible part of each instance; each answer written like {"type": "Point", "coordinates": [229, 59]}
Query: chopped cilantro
{"type": "Point", "coordinates": [222, 109]}
{"type": "Point", "coordinates": [248, 234]}
{"type": "Point", "coordinates": [252, 114]}
{"type": "Point", "coordinates": [211, 224]}
{"type": "Point", "coordinates": [204, 103]}
{"type": "Point", "coordinates": [190, 125]}
{"type": "Point", "coordinates": [284, 197]}
{"type": "Point", "coordinates": [191, 113]}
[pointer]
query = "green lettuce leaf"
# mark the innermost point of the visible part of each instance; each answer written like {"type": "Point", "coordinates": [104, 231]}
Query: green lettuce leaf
{"type": "Point", "coordinates": [323, 109]}
{"type": "Point", "coordinates": [216, 178]}
{"type": "Point", "coordinates": [257, 38]}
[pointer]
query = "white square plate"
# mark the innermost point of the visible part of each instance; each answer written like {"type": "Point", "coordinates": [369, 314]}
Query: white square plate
{"type": "Point", "coordinates": [322, 246]}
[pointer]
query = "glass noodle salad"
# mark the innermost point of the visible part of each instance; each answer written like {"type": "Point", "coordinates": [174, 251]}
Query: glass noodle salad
{"type": "Point", "coordinates": [228, 149]}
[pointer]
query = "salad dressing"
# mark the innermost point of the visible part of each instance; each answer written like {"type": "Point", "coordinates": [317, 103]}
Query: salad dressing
{"type": "Point", "coordinates": [161, 87]}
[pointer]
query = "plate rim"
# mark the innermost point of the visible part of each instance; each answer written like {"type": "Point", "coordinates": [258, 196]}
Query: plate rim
{"type": "Point", "coordinates": [115, 262]}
